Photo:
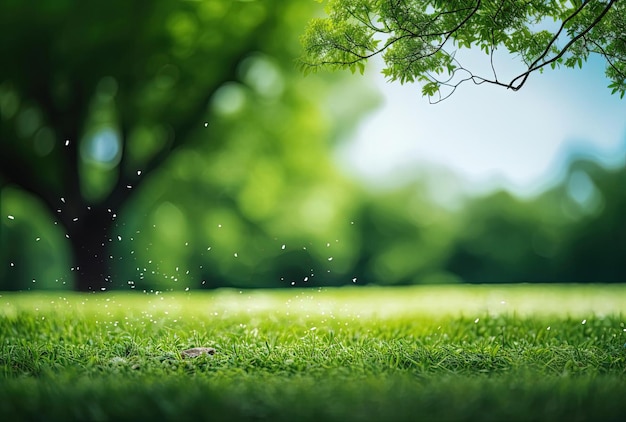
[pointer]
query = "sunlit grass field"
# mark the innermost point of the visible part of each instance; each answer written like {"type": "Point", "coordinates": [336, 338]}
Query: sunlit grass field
{"type": "Point", "coordinates": [367, 354]}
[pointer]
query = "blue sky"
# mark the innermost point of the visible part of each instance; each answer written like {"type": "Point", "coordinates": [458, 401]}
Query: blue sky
{"type": "Point", "coordinates": [487, 135]}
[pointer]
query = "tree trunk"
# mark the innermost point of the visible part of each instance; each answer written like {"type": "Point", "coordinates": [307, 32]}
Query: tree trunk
{"type": "Point", "coordinates": [90, 237]}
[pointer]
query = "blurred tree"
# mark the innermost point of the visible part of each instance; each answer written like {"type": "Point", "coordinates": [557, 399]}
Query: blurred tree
{"type": "Point", "coordinates": [423, 40]}
{"type": "Point", "coordinates": [405, 237]}
{"type": "Point", "coordinates": [109, 109]}
{"type": "Point", "coordinates": [91, 108]}
{"type": "Point", "coordinates": [503, 239]}
{"type": "Point", "coordinates": [593, 203]}
{"type": "Point", "coordinates": [572, 232]}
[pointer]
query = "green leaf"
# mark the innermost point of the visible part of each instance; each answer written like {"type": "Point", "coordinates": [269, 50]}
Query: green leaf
{"type": "Point", "coordinates": [430, 88]}
{"type": "Point", "coordinates": [361, 67]}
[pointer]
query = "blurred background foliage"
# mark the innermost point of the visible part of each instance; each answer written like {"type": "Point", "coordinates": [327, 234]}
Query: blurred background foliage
{"type": "Point", "coordinates": [187, 124]}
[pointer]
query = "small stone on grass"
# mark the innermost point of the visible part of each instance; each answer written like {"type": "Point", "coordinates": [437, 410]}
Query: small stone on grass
{"type": "Point", "coordinates": [194, 352]}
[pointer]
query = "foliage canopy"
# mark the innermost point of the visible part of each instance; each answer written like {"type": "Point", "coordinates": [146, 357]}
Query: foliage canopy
{"type": "Point", "coordinates": [422, 40]}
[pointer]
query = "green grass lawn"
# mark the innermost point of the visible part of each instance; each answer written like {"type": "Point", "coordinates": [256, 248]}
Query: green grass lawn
{"type": "Point", "coordinates": [372, 354]}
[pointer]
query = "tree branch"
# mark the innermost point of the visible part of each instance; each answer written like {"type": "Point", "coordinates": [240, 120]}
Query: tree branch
{"type": "Point", "coordinates": [536, 66]}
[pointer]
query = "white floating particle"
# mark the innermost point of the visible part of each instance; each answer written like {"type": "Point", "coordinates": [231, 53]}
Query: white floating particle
{"type": "Point", "coordinates": [38, 239]}
{"type": "Point", "coordinates": [67, 236]}
{"type": "Point", "coordinates": [119, 237]}
{"type": "Point", "coordinates": [293, 283]}
{"type": "Point", "coordinates": [75, 219]}
{"type": "Point", "coordinates": [584, 321]}
{"type": "Point", "coordinates": [67, 142]}
{"type": "Point", "coordinates": [283, 247]}
{"type": "Point", "coordinates": [219, 226]}
{"type": "Point", "coordinates": [129, 187]}
{"type": "Point", "coordinates": [235, 254]}
{"type": "Point", "coordinates": [305, 279]}
{"type": "Point", "coordinates": [13, 265]}
{"type": "Point", "coordinates": [206, 124]}
{"type": "Point", "coordinates": [476, 320]}
{"type": "Point", "coordinates": [548, 328]}
{"type": "Point", "coordinates": [330, 258]}
{"type": "Point", "coordinates": [186, 289]}
{"type": "Point", "coordinates": [354, 280]}
{"type": "Point", "coordinates": [138, 172]}
{"type": "Point", "coordinates": [11, 217]}
{"type": "Point", "coordinates": [63, 200]}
